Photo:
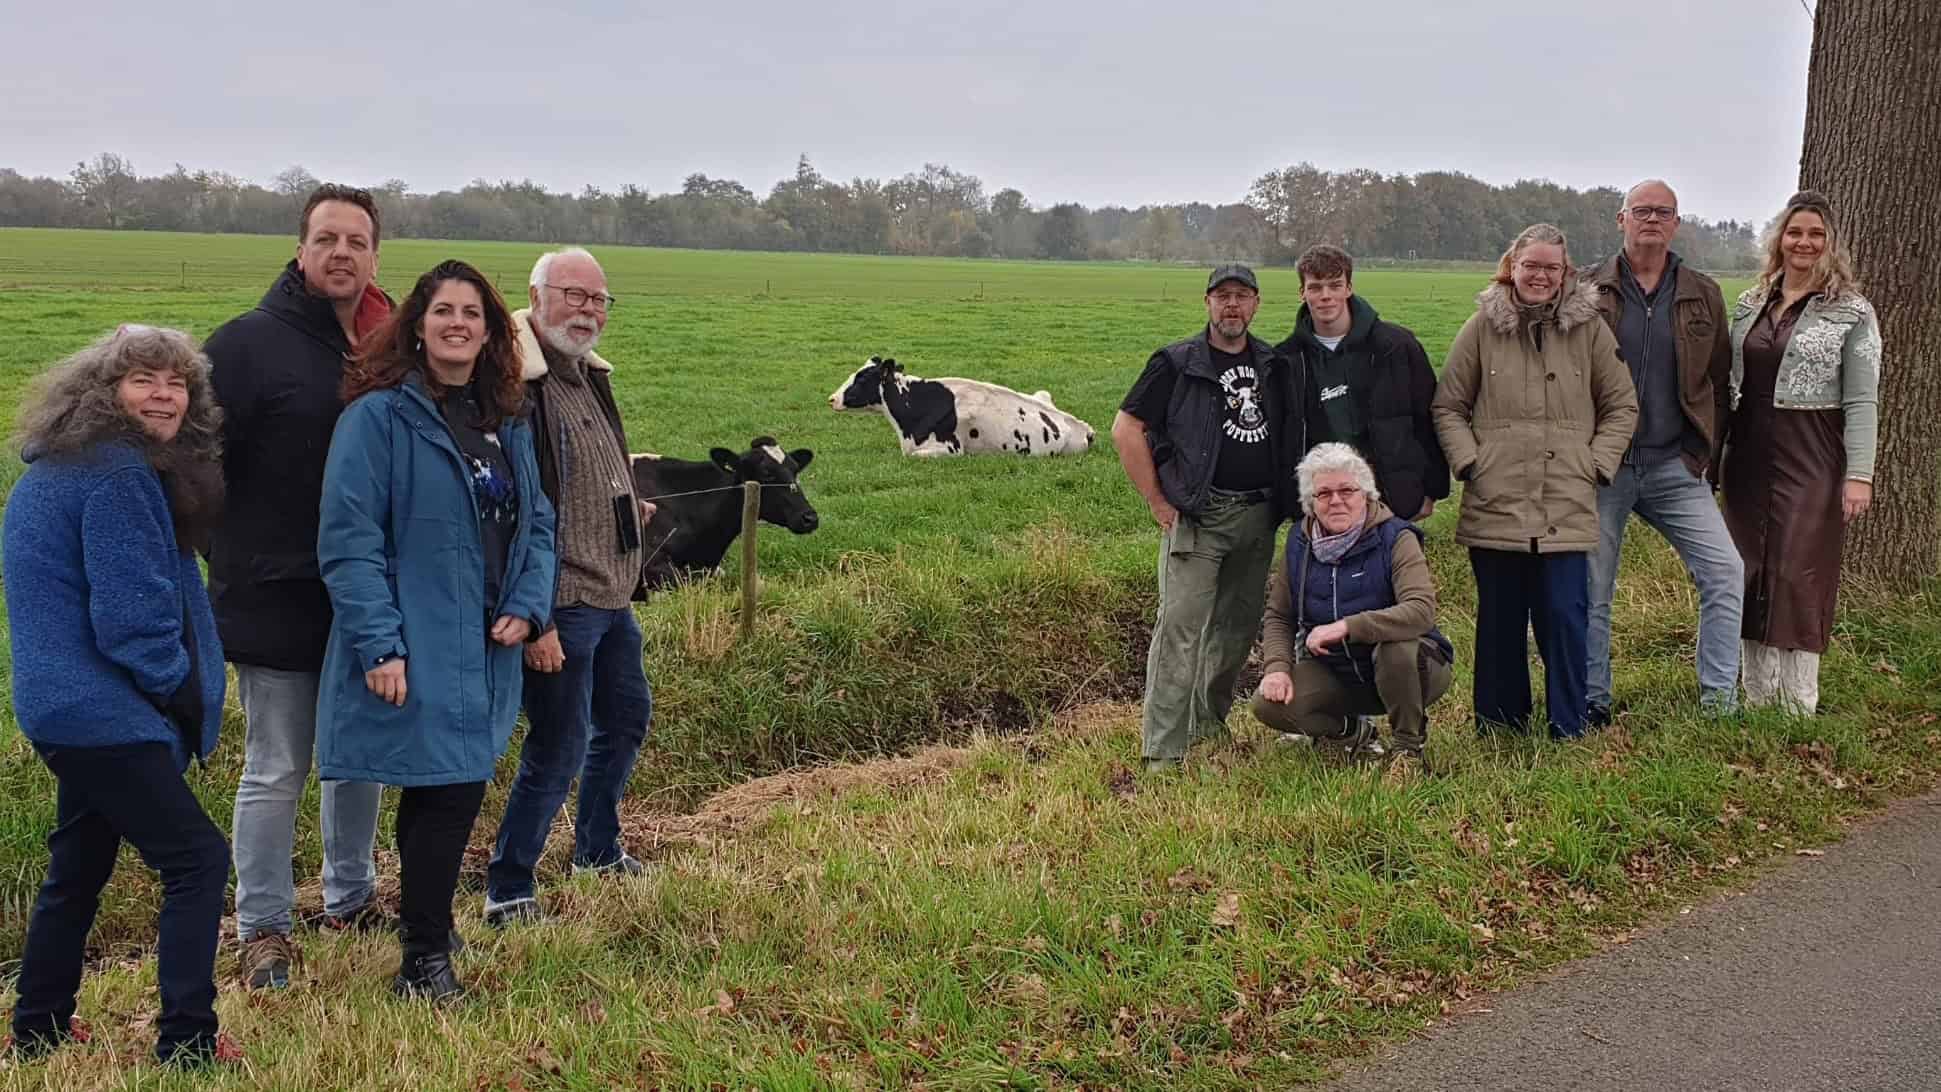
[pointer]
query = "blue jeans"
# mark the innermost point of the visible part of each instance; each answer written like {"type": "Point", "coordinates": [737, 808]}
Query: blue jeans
{"type": "Point", "coordinates": [1667, 496]}
{"type": "Point", "coordinates": [588, 718]}
{"type": "Point", "coordinates": [1515, 593]}
{"type": "Point", "coordinates": [105, 796]}
{"type": "Point", "coordinates": [281, 710]}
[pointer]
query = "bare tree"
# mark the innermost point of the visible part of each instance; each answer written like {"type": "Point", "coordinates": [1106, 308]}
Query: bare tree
{"type": "Point", "coordinates": [107, 185]}
{"type": "Point", "coordinates": [294, 181]}
{"type": "Point", "coordinates": [1873, 144]}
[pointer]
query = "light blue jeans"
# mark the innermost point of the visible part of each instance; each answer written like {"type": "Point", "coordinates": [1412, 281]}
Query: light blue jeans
{"type": "Point", "coordinates": [281, 710]}
{"type": "Point", "coordinates": [1680, 507]}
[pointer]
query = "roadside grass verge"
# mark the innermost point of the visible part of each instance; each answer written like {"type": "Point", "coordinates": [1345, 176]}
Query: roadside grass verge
{"type": "Point", "coordinates": [1034, 911]}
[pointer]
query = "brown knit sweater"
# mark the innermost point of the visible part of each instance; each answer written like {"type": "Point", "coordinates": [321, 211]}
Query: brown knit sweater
{"type": "Point", "coordinates": [593, 570]}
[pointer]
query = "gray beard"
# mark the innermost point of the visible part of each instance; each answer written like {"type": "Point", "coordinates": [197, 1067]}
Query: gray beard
{"type": "Point", "coordinates": [558, 340]}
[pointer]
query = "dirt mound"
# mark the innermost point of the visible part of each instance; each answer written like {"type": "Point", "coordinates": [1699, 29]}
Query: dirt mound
{"type": "Point", "coordinates": [731, 810]}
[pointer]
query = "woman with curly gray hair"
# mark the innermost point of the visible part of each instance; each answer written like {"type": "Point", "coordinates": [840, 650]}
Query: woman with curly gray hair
{"type": "Point", "coordinates": [1350, 627]}
{"type": "Point", "coordinates": [118, 678]}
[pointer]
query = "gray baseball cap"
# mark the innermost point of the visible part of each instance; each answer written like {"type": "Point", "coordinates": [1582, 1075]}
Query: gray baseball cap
{"type": "Point", "coordinates": [1232, 271]}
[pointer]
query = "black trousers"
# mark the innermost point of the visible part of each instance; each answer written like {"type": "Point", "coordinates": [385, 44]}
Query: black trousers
{"type": "Point", "coordinates": [434, 824]}
{"type": "Point", "coordinates": [106, 795]}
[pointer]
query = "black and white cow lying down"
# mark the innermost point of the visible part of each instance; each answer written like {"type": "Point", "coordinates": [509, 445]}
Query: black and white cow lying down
{"type": "Point", "coordinates": [961, 416]}
{"type": "Point", "coordinates": [699, 514]}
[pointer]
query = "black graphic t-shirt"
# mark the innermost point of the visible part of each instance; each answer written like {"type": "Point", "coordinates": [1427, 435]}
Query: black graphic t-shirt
{"type": "Point", "coordinates": [493, 488]}
{"type": "Point", "coordinates": [1246, 460]}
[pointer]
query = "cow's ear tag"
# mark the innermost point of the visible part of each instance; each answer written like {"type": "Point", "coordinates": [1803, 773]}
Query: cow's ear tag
{"type": "Point", "coordinates": [724, 458]}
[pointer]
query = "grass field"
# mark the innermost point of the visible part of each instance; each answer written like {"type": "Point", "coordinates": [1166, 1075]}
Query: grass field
{"type": "Point", "coordinates": [1032, 911]}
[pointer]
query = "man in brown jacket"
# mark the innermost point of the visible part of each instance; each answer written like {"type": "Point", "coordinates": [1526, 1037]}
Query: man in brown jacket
{"type": "Point", "coordinates": [1671, 328]}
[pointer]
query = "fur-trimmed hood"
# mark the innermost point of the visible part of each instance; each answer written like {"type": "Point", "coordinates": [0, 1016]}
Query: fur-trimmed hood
{"type": "Point", "coordinates": [1498, 306]}
{"type": "Point", "coordinates": [532, 357]}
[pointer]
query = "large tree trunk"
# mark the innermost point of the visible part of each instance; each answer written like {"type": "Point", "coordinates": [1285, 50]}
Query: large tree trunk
{"type": "Point", "coordinates": [1873, 145]}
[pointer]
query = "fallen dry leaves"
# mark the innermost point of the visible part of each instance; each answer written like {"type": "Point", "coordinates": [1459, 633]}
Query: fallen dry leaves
{"type": "Point", "coordinates": [1226, 912]}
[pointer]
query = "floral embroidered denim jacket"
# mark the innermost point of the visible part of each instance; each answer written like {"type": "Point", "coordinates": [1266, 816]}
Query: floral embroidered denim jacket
{"type": "Point", "coordinates": [1832, 361]}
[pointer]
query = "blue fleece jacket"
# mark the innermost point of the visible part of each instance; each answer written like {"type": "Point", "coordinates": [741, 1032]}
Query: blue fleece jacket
{"type": "Point", "coordinates": [97, 597]}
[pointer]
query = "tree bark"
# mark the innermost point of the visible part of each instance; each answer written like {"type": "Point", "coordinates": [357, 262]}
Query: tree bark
{"type": "Point", "coordinates": [1873, 145]}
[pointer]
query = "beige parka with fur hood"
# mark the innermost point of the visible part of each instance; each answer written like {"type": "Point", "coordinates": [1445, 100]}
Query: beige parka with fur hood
{"type": "Point", "coordinates": [1533, 418]}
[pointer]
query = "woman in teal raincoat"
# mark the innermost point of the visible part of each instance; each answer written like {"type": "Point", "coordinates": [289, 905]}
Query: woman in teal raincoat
{"type": "Point", "coordinates": [436, 543]}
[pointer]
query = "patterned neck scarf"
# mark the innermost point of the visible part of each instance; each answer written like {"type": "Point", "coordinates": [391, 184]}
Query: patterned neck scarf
{"type": "Point", "coordinates": [1330, 549]}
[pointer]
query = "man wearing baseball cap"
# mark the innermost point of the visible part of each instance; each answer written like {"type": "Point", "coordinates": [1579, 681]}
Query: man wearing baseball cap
{"type": "Point", "coordinates": [1206, 438]}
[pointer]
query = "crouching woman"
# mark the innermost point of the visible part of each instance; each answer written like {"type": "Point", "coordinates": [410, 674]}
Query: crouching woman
{"type": "Point", "coordinates": [117, 670]}
{"type": "Point", "coordinates": [1350, 627]}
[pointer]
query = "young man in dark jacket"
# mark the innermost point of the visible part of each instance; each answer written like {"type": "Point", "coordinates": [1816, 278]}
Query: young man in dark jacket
{"type": "Point", "coordinates": [586, 693]}
{"type": "Point", "coordinates": [1369, 384]}
{"type": "Point", "coordinates": [1671, 328]}
{"type": "Point", "coordinates": [276, 372]}
{"type": "Point", "coordinates": [1205, 438]}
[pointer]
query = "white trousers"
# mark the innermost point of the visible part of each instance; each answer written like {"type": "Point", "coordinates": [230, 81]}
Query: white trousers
{"type": "Point", "coordinates": [1785, 676]}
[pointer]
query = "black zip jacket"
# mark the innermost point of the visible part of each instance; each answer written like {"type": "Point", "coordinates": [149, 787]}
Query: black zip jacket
{"type": "Point", "coordinates": [1392, 385]}
{"type": "Point", "coordinates": [277, 371]}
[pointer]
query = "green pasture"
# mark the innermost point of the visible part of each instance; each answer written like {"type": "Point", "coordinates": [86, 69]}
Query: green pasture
{"type": "Point", "coordinates": [1036, 914]}
{"type": "Point", "coordinates": [713, 348]}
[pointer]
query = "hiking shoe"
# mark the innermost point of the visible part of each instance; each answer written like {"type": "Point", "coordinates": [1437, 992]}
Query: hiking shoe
{"type": "Point", "coordinates": [1163, 765]}
{"type": "Point", "coordinates": [1294, 739]}
{"type": "Point", "coordinates": [368, 918]}
{"type": "Point", "coordinates": [202, 1053]}
{"type": "Point", "coordinates": [35, 1047]}
{"type": "Point", "coordinates": [499, 915]}
{"type": "Point", "coordinates": [427, 978]}
{"type": "Point", "coordinates": [627, 865]}
{"type": "Point", "coordinates": [267, 959]}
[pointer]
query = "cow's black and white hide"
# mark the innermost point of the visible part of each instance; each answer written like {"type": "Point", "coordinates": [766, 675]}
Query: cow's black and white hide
{"type": "Point", "coordinates": [952, 416]}
{"type": "Point", "coordinates": [699, 504]}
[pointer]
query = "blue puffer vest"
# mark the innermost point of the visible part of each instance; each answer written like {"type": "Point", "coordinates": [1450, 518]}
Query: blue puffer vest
{"type": "Point", "coordinates": [1362, 580]}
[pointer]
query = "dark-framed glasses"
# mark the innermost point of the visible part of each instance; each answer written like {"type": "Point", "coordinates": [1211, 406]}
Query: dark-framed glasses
{"type": "Point", "coordinates": [1346, 494]}
{"type": "Point", "coordinates": [1643, 213]}
{"type": "Point", "coordinates": [580, 297]}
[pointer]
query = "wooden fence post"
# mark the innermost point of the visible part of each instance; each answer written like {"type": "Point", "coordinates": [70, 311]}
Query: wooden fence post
{"type": "Point", "coordinates": [751, 513]}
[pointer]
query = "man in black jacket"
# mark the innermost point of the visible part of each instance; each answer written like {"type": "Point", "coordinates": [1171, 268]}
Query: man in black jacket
{"type": "Point", "coordinates": [1369, 385]}
{"type": "Point", "coordinates": [587, 699]}
{"type": "Point", "coordinates": [277, 371]}
{"type": "Point", "coordinates": [1204, 436]}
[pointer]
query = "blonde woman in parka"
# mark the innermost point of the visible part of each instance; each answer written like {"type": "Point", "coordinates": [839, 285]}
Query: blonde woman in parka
{"type": "Point", "coordinates": [1534, 410]}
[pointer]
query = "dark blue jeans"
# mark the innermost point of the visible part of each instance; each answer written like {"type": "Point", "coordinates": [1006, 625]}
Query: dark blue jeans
{"type": "Point", "coordinates": [1517, 592]}
{"type": "Point", "coordinates": [106, 795]}
{"type": "Point", "coordinates": [587, 719]}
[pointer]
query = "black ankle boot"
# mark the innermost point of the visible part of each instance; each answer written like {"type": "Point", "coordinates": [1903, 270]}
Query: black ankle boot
{"type": "Point", "coordinates": [429, 977]}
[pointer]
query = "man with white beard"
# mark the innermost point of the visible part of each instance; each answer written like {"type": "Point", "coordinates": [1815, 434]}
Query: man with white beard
{"type": "Point", "coordinates": [586, 694]}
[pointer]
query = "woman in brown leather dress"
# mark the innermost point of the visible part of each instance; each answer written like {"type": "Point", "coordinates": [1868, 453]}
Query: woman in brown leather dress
{"type": "Point", "coordinates": [1800, 446]}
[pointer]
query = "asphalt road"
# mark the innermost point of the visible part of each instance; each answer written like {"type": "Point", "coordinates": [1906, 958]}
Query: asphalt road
{"type": "Point", "coordinates": [1825, 974]}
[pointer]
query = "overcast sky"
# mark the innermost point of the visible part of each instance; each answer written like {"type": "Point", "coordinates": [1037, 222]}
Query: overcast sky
{"type": "Point", "coordinates": [1097, 101]}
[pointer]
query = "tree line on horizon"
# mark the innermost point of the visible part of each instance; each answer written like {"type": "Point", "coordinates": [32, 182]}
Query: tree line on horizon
{"type": "Point", "coordinates": [1430, 216]}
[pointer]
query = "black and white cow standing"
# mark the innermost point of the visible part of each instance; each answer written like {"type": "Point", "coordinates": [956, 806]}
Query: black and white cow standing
{"type": "Point", "coordinates": [953, 416]}
{"type": "Point", "coordinates": [699, 514]}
